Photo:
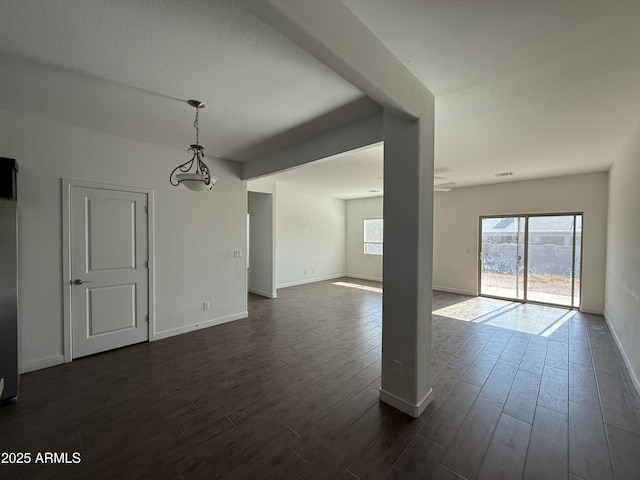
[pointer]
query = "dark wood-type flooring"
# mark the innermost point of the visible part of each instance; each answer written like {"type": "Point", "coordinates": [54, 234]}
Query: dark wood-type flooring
{"type": "Point", "coordinates": [521, 391]}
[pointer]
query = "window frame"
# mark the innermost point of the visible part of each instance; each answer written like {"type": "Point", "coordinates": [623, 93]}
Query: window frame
{"type": "Point", "coordinates": [367, 242]}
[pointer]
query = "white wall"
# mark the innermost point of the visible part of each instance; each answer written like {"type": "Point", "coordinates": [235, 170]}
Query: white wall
{"type": "Point", "coordinates": [360, 265]}
{"type": "Point", "coordinates": [623, 257]}
{"type": "Point", "coordinates": [195, 233]}
{"type": "Point", "coordinates": [310, 237]}
{"type": "Point", "coordinates": [456, 214]}
{"type": "Point", "coordinates": [262, 244]}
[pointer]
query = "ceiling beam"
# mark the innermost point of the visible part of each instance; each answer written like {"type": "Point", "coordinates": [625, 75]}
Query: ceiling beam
{"type": "Point", "coordinates": [330, 32]}
{"type": "Point", "coordinates": [352, 136]}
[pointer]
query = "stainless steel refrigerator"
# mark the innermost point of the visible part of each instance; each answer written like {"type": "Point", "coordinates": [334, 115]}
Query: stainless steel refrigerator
{"type": "Point", "coordinates": [8, 281]}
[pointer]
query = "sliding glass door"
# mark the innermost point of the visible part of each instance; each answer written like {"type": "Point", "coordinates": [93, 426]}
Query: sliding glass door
{"type": "Point", "coordinates": [532, 258]}
{"type": "Point", "coordinates": [502, 257]}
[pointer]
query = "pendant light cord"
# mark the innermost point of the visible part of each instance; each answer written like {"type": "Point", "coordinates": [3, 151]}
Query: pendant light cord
{"type": "Point", "coordinates": [197, 126]}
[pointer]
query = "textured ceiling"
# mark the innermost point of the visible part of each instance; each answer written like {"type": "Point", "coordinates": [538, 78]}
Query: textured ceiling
{"type": "Point", "coordinates": [121, 67]}
{"type": "Point", "coordinates": [355, 174]}
{"type": "Point", "coordinates": [540, 88]}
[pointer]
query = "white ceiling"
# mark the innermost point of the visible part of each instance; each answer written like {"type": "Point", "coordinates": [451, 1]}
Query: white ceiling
{"type": "Point", "coordinates": [540, 88]}
{"type": "Point", "coordinates": [122, 66]}
{"type": "Point", "coordinates": [355, 174]}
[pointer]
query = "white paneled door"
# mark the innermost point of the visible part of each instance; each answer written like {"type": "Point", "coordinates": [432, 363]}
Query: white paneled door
{"type": "Point", "coordinates": [109, 275]}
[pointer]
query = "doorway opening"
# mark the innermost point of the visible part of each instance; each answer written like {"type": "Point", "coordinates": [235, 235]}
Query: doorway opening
{"type": "Point", "coordinates": [532, 258]}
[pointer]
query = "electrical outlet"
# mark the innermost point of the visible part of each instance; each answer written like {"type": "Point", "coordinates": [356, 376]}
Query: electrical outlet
{"type": "Point", "coordinates": [397, 367]}
{"type": "Point", "coordinates": [206, 306]}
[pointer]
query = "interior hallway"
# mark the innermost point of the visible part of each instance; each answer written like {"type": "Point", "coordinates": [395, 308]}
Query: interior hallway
{"type": "Point", "coordinates": [521, 391]}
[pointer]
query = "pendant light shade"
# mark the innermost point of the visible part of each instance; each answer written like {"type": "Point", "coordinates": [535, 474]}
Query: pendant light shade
{"type": "Point", "coordinates": [194, 173]}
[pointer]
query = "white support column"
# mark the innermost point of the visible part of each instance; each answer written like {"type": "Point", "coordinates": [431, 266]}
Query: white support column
{"type": "Point", "coordinates": [407, 264]}
{"type": "Point", "coordinates": [330, 32]}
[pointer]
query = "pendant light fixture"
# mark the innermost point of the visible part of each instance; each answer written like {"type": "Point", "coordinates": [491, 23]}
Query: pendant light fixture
{"type": "Point", "coordinates": [194, 173]}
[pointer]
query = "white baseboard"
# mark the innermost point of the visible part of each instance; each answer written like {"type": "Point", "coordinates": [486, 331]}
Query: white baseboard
{"type": "Point", "coordinates": [404, 406]}
{"type": "Point", "coordinates": [593, 311]}
{"type": "Point", "coordinates": [311, 280]}
{"type": "Point", "coordinates": [364, 277]}
{"type": "Point", "coordinates": [263, 293]}
{"type": "Point", "coordinates": [632, 374]}
{"type": "Point", "coordinates": [40, 363]}
{"type": "Point", "coordinates": [198, 326]}
{"type": "Point", "coordinates": [454, 290]}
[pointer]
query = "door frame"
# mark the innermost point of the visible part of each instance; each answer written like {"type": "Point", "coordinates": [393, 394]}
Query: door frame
{"type": "Point", "coordinates": [67, 185]}
{"type": "Point", "coordinates": [527, 216]}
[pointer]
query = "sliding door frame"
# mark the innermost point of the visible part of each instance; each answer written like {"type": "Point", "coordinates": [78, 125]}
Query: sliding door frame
{"type": "Point", "coordinates": [526, 217]}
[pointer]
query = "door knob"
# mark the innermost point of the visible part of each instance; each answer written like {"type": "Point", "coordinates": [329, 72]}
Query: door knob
{"type": "Point", "coordinates": [79, 281]}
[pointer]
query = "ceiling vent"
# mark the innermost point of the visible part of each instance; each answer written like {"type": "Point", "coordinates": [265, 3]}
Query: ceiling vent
{"type": "Point", "coordinates": [504, 174]}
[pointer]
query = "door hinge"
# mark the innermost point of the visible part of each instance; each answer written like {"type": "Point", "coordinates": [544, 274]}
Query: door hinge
{"type": "Point", "coordinates": [146, 317]}
{"type": "Point", "coordinates": [146, 263]}
{"type": "Point", "coordinates": [146, 209]}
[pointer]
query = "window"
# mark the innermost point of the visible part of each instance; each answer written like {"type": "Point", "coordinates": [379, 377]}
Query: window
{"type": "Point", "coordinates": [373, 236]}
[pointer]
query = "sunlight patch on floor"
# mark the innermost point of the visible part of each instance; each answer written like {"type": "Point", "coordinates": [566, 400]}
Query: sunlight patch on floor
{"type": "Point", "coordinates": [356, 285]}
{"type": "Point", "coordinates": [472, 309]}
{"type": "Point", "coordinates": [539, 320]}
{"type": "Point", "coordinates": [555, 326]}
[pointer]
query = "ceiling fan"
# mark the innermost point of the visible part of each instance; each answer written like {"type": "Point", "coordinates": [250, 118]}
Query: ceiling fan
{"type": "Point", "coordinates": [442, 187]}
